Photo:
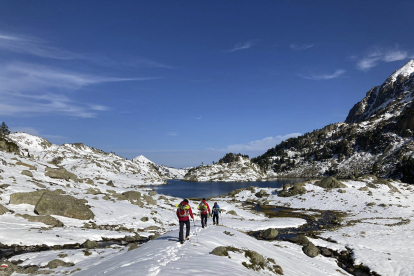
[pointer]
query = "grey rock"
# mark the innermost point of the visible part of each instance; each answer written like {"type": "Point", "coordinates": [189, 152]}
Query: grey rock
{"type": "Point", "coordinates": [232, 212]}
{"type": "Point", "coordinates": [152, 193]}
{"type": "Point", "coordinates": [220, 251]}
{"type": "Point", "coordinates": [26, 198]}
{"type": "Point", "coordinates": [132, 195]}
{"type": "Point", "coordinates": [292, 190]}
{"type": "Point", "coordinates": [270, 234]}
{"type": "Point", "coordinates": [330, 183]}
{"type": "Point", "coordinates": [110, 183]}
{"type": "Point", "coordinates": [255, 258]}
{"type": "Point", "coordinates": [3, 210]}
{"type": "Point", "coordinates": [300, 239]}
{"type": "Point", "coordinates": [144, 219]}
{"type": "Point", "coordinates": [262, 193]}
{"type": "Point", "coordinates": [90, 244]}
{"type": "Point", "coordinates": [48, 220]}
{"type": "Point", "coordinates": [61, 174]}
{"type": "Point", "coordinates": [56, 262]}
{"type": "Point", "coordinates": [310, 250]}
{"type": "Point", "coordinates": [27, 173]}
{"type": "Point", "coordinates": [62, 205]}
{"type": "Point", "coordinates": [149, 200]}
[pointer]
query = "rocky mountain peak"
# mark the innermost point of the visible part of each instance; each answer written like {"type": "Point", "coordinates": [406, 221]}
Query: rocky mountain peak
{"type": "Point", "coordinates": [390, 98]}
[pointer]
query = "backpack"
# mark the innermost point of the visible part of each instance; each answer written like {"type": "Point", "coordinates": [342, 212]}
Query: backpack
{"type": "Point", "coordinates": [183, 210]}
{"type": "Point", "coordinates": [216, 210]}
{"type": "Point", "coordinates": [202, 207]}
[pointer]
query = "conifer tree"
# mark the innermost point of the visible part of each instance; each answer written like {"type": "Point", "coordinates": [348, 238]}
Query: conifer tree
{"type": "Point", "coordinates": [4, 129]}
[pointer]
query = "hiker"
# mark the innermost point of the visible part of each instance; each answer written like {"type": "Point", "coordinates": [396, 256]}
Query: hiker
{"type": "Point", "coordinates": [204, 210]}
{"type": "Point", "coordinates": [183, 213]}
{"type": "Point", "coordinates": [216, 210]}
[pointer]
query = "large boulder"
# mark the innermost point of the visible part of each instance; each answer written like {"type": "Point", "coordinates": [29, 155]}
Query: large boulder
{"type": "Point", "coordinates": [90, 244]}
{"type": "Point", "coordinates": [150, 200]}
{"type": "Point", "coordinates": [255, 258]}
{"type": "Point", "coordinates": [26, 198]}
{"type": "Point", "coordinates": [132, 195]}
{"type": "Point", "coordinates": [262, 193]}
{"type": "Point", "coordinates": [63, 205]}
{"type": "Point", "coordinates": [32, 168]}
{"type": "Point", "coordinates": [292, 190]}
{"type": "Point", "coordinates": [56, 262]}
{"type": "Point", "coordinates": [8, 146]}
{"type": "Point", "coordinates": [330, 183]}
{"type": "Point", "coordinates": [300, 239]}
{"type": "Point", "coordinates": [232, 212]}
{"type": "Point", "coordinates": [310, 250]}
{"type": "Point", "coordinates": [61, 174]}
{"type": "Point", "coordinates": [270, 234]}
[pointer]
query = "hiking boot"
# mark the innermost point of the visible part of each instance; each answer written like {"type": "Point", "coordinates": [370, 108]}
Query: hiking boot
{"type": "Point", "coordinates": [187, 238]}
{"type": "Point", "coordinates": [181, 242]}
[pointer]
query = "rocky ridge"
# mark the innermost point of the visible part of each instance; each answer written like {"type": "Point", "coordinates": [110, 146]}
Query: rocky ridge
{"type": "Point", "coordinates": [376, 138]}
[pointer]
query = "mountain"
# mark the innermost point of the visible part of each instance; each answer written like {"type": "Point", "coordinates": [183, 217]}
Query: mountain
{"type": "Point", "coordinates": [91, 164]}
{"type": "Point", "coordinates": [376, 138]}
{"type": "Point", "coordinates": [238, 169]}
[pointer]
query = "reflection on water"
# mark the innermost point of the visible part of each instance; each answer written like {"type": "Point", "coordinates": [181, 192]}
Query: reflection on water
{"type": "Point", "coordinates": [187, 189]}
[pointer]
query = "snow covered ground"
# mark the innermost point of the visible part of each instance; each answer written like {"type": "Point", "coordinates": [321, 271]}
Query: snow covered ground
{"type": "Point", "coordinates": [378, 227]}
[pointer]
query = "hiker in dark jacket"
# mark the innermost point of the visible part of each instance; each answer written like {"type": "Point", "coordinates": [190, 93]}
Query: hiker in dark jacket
{"type": "Point", "coordinates": [215, 211]}
{"type": "Point", "coordinates": [204, 210]}
{"type": "Point", "coordinates": [183, 213]}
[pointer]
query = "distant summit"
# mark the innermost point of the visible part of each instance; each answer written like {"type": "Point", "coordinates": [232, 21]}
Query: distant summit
{"type": "Point", "coordinates": [389, 98]}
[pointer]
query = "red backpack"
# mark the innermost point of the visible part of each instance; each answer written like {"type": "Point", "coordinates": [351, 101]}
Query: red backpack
{"type": "Point", "coordinates": [183, 210]}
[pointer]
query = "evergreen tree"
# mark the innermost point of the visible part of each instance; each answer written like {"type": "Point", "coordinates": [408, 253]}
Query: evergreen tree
{"type": "Point", "coordinates": [4, 129]}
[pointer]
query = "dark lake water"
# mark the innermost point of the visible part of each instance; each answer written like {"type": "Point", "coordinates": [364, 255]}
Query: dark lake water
{"type": "Point", "coordinates": [187, 189]}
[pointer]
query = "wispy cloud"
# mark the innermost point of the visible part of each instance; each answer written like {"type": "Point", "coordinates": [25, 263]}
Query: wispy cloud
{"type": "Point", "coordinates": [374, 57]}
{"type": "Point", "coordinates": [173, 133]}
{"type": "Point", "coordinates": [40, 48]}
{"type": "Point", "coordinates": [24, 91]}
{"type": "Point", "coordinates": [199, 118]}
{"type": "Point", "coordinates": [296, 47]}
{"type": "Point", "coordinates": [334, 75]}
{"type": "Point", "coordinates": [242, 46]}
{"type": "Point", "coordinates": [258, 145]}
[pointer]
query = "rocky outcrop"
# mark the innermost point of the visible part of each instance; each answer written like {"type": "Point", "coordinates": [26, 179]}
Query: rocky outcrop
{"type": "Point", "coordinates": [3, 210]}
{"type": "Point", "coordinates": [26, 198]}
{"type": "Point", "coordinates": [310, 250]}
{"type": "Point", "coordinates": [63, 205]}
{"type": "Point", "coordinates": [56, 263]}
{"type": "Point", "coordinates": [61, 174]}
{"type": "Point", "coordinates": [270, 234]}
{"type": "Point", "coordinates": [220, 251]}
{"type": "Point", "coordinates": [8, 146]}
{"type": "Point", "coordinates": [27, 173]}
{"type": "Point", "coordinates": [48, 220]}
{"type": "Point", "coordinates": [292, 190]}
{"type": "Point", "coordinates": [330, 183]}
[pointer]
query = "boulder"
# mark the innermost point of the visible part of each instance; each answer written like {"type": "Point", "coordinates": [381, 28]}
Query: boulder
{"type": "Point", "coordinates": [61, 174]}
{"type": "Point", "coordinates": [32, 168]}
{"type": "Point", "coordinates": [262, 193]}
{"type": "Point", "coordinates": [27, 173]}
{"type": "Point", "coordinates": [152, 193]}
{"type": "Point", "coordinates": [62, 205]}
{"type": "Point", "coordinates": [255, 258]}
{"type": "Point", "coordinates": [132, 195]}
{"type": "Point", "coordinates": [292, 190]}
{"type": "Point", "coordinates": [310, 250]}
{"type": "Point", "coordinates": [150, 200]}
{"type": "Point", "coordinates": [300, 239]}
{"type": "Point", "coordinates": [56, 262]}
{"type": "Point", "coordinates": [110, 183]}
{"type": "Point", "coordinates": [11, 268]}
{"type": "Point", "coordinates": [138, 203]}
{"type": "Point", "coordinates": [8, 146]}
{"type": "Point", "coordinates": [3, 210]}
{"type": "Point", "coordinates": [90, 244]}
{"type": "Point", "coordinates": [330, 183]}
{"type": "Point", "coordinates": [220, 251]}
{"type": "Point", "coordinates": [231, 212]}
{"type": "Point", "coordinates": [26, 198]}
{"type": "Point", "coordinates": [270, 234]}
{"type": "Point", "coordinates": [48, 220]}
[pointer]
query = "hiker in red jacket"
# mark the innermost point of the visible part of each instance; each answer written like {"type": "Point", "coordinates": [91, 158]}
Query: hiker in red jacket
{"type": "Point", "coordinates": [183, 213]}
{"type": "Point", "coordinates": [204, 210]}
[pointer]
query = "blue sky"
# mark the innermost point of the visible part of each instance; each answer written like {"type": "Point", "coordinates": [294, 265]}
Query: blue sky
{"type": "Point", "coordinates": [184, 82]}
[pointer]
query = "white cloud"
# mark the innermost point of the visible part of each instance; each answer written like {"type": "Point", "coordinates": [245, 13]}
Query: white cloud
{"type": "Point", "coordinates": [334, 75]}
{"type": "Point", "coordinates": [376, 56]}
{"type": "Point", "coordinates": [296, 47]}
{"type": "Point", "coordinates": [258, 145]}
{"type": "Point", "coordinates": [21, 85]}
{"type": "Point", "coordinates": [242, 46]}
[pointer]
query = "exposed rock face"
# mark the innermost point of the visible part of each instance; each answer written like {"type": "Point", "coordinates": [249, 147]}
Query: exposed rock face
{"type": "Point", "coordinates": [90, 244]}
{"type": "Point", "coordinates": [63, 205]}
{"type": "Point", "coordinates": [8, 146]}
{"type": "Point", "coordinates": [26, 198]}
{"type": "Point", "coordinates": [376, 138]}
{"type": "Point", "coordinates": [61, 174]}
{"type": "Point", "coordinates": [30, 167]}
{"type": "Point", "coordinates": [330, 183]}
{"type": "Point", "coordinates": [132, 195]}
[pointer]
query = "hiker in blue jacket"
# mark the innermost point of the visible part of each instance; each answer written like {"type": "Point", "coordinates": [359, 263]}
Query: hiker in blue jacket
{"type": "Point", "coordinates": [216, 210]}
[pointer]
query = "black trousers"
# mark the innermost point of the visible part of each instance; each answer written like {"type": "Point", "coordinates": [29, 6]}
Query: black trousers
{"type": "Point", "coordinates": [203, 220]}
{"type": "Point", "coordinates": [187, 229]}
{"type": "Point", "coordinates": [215, 218]}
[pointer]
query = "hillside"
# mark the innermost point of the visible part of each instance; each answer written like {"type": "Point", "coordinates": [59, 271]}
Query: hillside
{"type": "Point", "coordinates": [376, 138]}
